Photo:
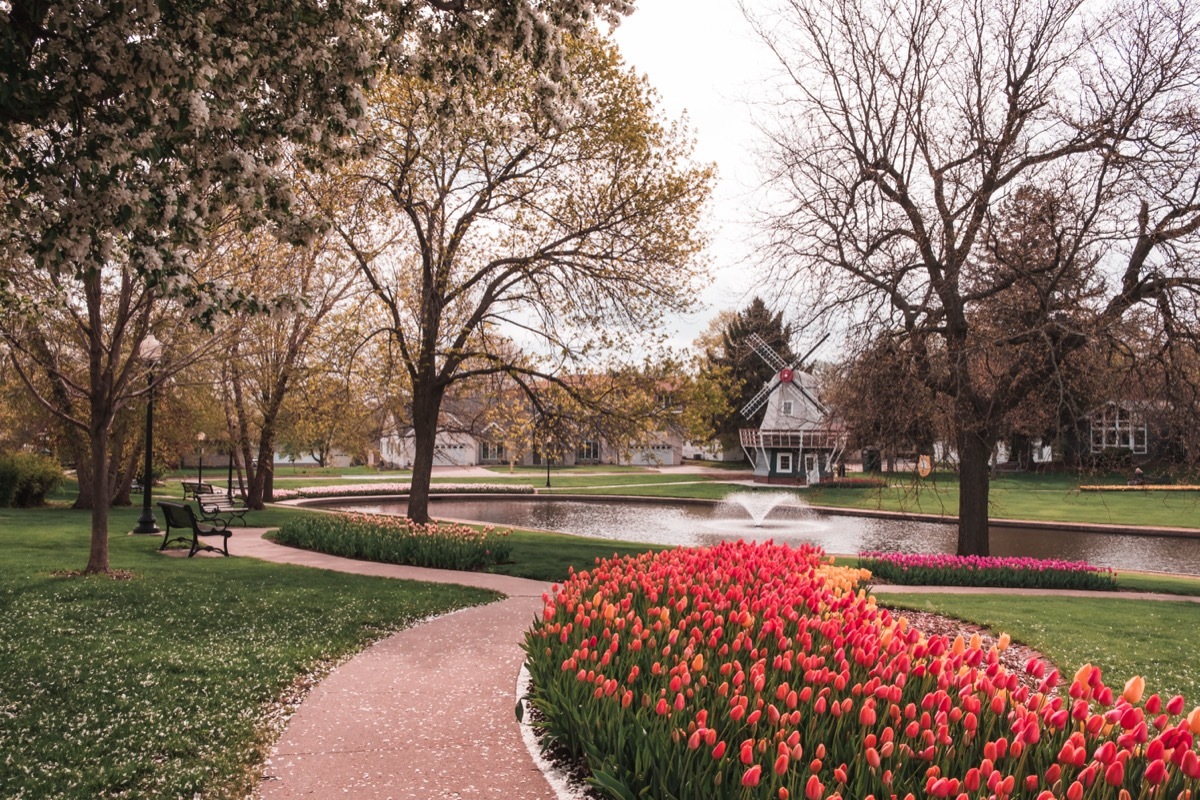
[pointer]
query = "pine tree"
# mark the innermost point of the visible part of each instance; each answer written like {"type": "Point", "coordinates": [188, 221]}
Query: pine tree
{"type": "Point", "coordinates": [748, 372]}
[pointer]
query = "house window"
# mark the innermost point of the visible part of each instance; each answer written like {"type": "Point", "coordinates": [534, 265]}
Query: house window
{"type": "Point", "coordinates": [783, 462]}
{"type": "Point", "coordinates": [1117, 427]}
{"type": "Point", "coordinates": [588, 451]}
{"type": "Point", "coordinates": [491, 452]}
{"type": "Point", "coordinates": [786, 408]}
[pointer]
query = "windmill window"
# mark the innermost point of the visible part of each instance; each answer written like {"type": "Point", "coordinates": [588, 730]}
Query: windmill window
{"type": "Point", "coordinates": [783, 462]}
{"type": "Point", "coordinates": [786, 407]}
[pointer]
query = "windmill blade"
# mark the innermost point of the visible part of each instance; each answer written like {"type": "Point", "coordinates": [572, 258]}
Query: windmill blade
{"type": "Point", "coordinates": [760, 399]}
{"type": "Point", "coordinates": [758, 345]}
{"type": "Point", "coordinates": [816, 403]}
{"type": "Point", "coordinates": [796, 367]}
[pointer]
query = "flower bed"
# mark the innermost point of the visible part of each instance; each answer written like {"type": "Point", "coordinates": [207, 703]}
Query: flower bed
{"type": "Point", "coordinates": [1144, 487]}
{"type": "Point", "coordinates": [359, 489]}
{"type": "Point", "coordinates": [396, 540]}
{"type": "Point", "coordinates": [758, 671]}
{"type": "Point", "coordinates": [935, 569]}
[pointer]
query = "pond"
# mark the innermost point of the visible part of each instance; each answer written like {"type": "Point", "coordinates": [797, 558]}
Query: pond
{"type": "Point", "coordinates": [700, 523]}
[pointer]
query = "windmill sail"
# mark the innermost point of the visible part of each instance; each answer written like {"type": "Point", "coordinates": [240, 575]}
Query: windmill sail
{"type": "Point", "coordinates": [760, 346]}
{"type": "Point", "coordinates": [760, 399]}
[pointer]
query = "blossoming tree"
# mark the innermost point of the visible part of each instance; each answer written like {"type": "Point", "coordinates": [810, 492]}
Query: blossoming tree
{"type": "Point", "coordinates": [128, 130]}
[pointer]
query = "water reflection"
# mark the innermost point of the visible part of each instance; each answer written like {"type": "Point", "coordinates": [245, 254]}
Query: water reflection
{"type": "Point", "coordinates": [668, 522]}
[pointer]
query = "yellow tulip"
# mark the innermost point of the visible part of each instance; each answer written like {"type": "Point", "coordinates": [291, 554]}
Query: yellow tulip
{"type": "Point", "coordinates": [1005, 641]}
{"type": "Point", "coordinates": [1135, 687]}
{"type": "Point", "coordinates": [976, 641]}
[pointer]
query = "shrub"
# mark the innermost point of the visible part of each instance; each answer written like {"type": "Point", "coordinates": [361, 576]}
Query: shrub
{"type": "Point", "coordinates": [755, 671]}
{"type": "Point", "coordinates": [915, 569]}
{"type": "Point", "coordinates": [396, 540]}
{"type": "Point", "coordinates": [26, 479]}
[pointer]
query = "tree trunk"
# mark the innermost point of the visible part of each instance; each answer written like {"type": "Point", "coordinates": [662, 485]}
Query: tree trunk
{"type": "Point", "coordinates": [83, 471]}
{"type": "Point", "coordinates": [98, 554]}
{"type": "Point", "coordinates": [974, 451]}
{"type": "Point", "coordinates": [426, 406]}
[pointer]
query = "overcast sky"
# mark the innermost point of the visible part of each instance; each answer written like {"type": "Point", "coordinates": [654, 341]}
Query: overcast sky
{"type": "Point", "coordinates": [703, 58]}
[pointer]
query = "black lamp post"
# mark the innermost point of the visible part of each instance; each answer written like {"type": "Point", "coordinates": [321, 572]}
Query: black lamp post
{"type": "Point", "coordinates": [151, 351]}
{"type": "Point", "coordinates": [200, 437]}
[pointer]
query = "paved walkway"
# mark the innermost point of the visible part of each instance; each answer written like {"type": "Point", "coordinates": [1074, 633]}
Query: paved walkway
{"type": "Point", "coordinates": [428, 713]}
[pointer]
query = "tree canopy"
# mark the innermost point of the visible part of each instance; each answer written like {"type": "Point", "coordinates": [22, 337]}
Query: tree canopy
{"type": "Point", "coordinates": [999, 183]}
{"type": "Point", "coordinates": [496, 222]}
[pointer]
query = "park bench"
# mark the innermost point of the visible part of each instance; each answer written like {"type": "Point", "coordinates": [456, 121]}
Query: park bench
{"type": "Point", "coordinates": [181, 517]}
{"type": "Point", "coordinates": [196, 488]}
{"type": "Point", "coordinates": [221, 508]}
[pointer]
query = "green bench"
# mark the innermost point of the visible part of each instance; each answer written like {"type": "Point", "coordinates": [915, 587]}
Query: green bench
{"type": "Point", "coordinates": [181, 517]}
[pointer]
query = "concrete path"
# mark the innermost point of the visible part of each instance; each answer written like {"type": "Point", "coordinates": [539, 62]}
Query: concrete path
{"type": "Point", "coordinates": [427, 713]}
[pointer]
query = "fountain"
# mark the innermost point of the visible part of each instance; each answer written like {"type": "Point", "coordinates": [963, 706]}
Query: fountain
{"type": "Point", "coordinates": [759, 504]}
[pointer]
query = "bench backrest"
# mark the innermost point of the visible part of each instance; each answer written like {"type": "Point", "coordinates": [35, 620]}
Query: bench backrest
{"type": "Point", "coordinates": [179, 515]}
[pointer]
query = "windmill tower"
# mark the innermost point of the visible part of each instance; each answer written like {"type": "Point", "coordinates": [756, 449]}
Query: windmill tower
{"type": "Point", "coordinates": [796, 442]}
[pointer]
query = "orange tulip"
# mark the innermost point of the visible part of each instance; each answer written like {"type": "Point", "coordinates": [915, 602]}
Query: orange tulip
{"type": "Point", "coordinates": [1134, 688]}
{"type": "Point", "coordinates": [1193, 721]}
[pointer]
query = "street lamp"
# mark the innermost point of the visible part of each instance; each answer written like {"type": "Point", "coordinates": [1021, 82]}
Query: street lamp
{"type": "Point", "coordinates": [200, 437]}
{"type": "Point", "coordinates": [150, 351]}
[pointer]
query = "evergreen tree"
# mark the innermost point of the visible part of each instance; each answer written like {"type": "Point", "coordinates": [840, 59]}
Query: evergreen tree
{"type": "Point", "coordinates": [748, 372]}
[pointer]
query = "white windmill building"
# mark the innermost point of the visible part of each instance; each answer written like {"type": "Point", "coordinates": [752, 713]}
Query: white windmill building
{"type": "Point", "coordinates": [797, 442]}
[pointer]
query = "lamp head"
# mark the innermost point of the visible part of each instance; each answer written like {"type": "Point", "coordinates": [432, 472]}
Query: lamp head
{"type": "Point", "coordinates": [151, 348]}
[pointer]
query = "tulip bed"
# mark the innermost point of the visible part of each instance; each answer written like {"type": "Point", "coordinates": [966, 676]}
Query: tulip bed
{"type": "Point", "coordinates": [396, 540]}
{"type": "Point", "coordinates": [759, 671]}
{"type": "Point", "coordinates": [936, 569]}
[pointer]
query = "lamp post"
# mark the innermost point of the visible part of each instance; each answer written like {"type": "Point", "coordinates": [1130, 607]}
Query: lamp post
{"type": "Point", "coordinates": [151, 351]}
{"type": "Point", "coordinates": [200, 437]}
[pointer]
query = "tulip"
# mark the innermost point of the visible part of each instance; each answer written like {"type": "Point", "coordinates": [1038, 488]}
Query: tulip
{"type": "Point", "coordinates": [814, 789]}
{"type": "Point", "coordinates": [1156, 772]}
{"type": "Point", "coordinates": [752, 776]}
{"type": "Point", "coordinates": [1193, 721]}
{"type": "Point", "coordinates": [1115, 774]}
{"type": "Point", "coordinates": [1134, 688]}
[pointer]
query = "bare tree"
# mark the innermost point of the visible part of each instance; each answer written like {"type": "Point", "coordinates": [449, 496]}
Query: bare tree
{"type": "Point", "coordinates": [566, 229]}
{"type": "Point", "coordinates": [912, 134]}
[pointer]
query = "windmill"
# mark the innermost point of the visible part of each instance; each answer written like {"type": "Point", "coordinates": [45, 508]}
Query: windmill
{"type": "Point", "coordinates": [796, 443]}
{"type": "Point", "coordinates": [784, 373]}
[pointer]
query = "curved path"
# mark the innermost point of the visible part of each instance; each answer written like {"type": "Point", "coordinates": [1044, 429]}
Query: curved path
{"type": "Point", "coordinates": [428, 713]}
{"type": "Point", "coordinates": [425, 714]}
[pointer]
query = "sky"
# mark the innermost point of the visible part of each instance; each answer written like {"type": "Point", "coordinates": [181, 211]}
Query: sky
{"type": "Point", "coordinates": [704, 59]}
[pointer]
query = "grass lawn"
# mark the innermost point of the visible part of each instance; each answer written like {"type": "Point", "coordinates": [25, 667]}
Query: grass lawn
{"type": "Point", "coordinates": [1050, 498]}
{"type": "Point", "coordinates": [549, 556]}
{"type": "Point", "coordinates": [160, 686]}
{"type": "Point", "coordinates": [1124, 637]}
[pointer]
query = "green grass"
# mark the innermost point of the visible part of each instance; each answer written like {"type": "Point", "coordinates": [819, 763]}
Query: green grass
{"type": "Point", "coordinates": [1048, 498]}
{"type": "Point", "coordinates": [158, 686]}
{"type": "Point", "coordinates": [1124, 637]}
{"type": "Point", "coordinates": [549, 556]}
{"type": "Point", "coordinates": [597, 469]}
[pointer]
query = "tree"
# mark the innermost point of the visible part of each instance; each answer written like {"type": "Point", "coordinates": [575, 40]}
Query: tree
{"type": "Point", "coordinates": [128, 131]}
{"type": "Point", "coordinates": [746, 371]}
{"type": "Point", "coordinates": [1002, 183]}
{"type": "Point", "coordinates": [568, 229]}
